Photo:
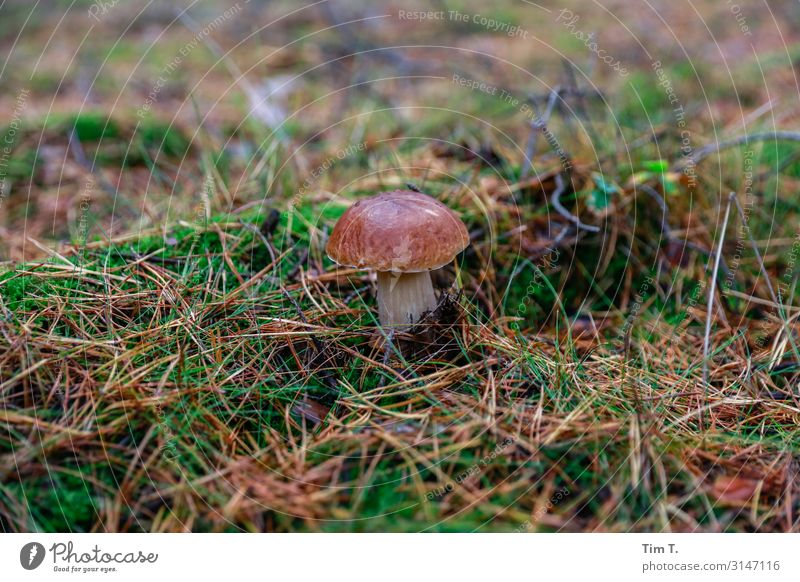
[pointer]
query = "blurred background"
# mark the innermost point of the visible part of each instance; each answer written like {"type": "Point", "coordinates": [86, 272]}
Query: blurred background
{"type": "Point", "coordinates": [134, 105]}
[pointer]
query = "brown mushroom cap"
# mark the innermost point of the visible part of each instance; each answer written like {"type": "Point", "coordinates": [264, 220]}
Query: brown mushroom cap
{"type": "Point", "coordinates": [399, 231]}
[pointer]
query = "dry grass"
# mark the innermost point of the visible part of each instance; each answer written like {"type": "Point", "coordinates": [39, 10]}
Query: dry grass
{"type": "Point", "coordinates": [186, 391]}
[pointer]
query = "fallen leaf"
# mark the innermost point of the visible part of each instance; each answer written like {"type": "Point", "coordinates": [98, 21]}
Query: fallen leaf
{"type": "Point", "coordinates": [734, 488]}
{"type": "Point", "coordinates": [311, 410]}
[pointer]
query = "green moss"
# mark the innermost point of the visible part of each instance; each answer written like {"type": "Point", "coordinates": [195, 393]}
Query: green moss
{"type": "Point", "coordinates": [163, 139]}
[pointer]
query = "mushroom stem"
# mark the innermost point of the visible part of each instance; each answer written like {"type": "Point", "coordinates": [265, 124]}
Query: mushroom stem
{"type": "Point", "coordinates": [404, 297]}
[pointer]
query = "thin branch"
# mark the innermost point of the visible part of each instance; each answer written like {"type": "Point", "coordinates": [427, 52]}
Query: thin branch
{"type": "Point", "coordinates": [711, 290]}
{"type": "Point", "coordinates": [555, 200]}
{"type": "Point", "coordinates": [705, 151]}
{"type": "Point", "coordinates": [580, 103]}
{"type": "Point", "coordinates": [538, 125]}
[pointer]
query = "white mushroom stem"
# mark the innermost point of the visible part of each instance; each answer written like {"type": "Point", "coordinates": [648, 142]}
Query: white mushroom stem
{"type": "Point", "coordinates": [404, 297]}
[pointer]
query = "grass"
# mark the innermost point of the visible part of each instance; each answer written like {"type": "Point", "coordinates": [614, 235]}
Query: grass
{"type": "Point", "coordinates": [161, 386]}
{"type": "Point", "coordinates": [179, 353]}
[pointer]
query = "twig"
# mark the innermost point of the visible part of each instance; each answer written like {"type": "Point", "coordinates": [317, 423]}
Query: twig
{"type": "Point", "coordinates": [558, 238]}
{"type": "Point", "coordinates": [538, 124]}
{"type": "Point", "coordinates": [566, 92]}
{"type": "Point", "coordinates": [709, 149]}
{"type": "Point", "coordinates": [580, 103]}
{"type": "Point", "coordinates": [555, 200]}
{"type": "Point", "coordinates": [711, 290]}
{"type": "Point", "coordinates": [758, 301]}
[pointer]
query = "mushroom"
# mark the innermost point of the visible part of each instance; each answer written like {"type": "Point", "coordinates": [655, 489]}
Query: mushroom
{"type": "Point", "coordinates": [402, 235]}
